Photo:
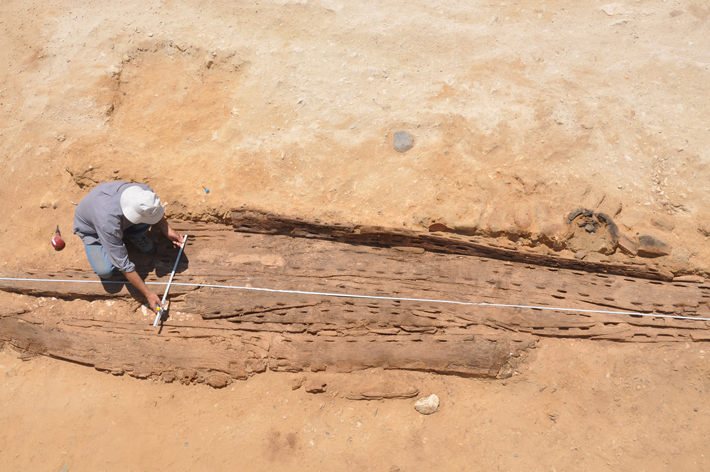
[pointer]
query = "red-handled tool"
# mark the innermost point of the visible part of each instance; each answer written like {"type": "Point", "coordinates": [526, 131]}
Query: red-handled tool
{"type": "Point", "coordinates": [57, 241]}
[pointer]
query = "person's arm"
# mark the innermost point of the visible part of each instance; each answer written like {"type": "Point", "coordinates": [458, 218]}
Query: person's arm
{"type": "Point", "coordinates": [153, 299]}
{"type": "Point", "coordinates": [172, 235]}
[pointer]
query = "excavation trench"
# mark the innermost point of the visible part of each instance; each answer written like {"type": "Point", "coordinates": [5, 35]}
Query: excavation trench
{"type": "Point", "coordinates": [214, 335]}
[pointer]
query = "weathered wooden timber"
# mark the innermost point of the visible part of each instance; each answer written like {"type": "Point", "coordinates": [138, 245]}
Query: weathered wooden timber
{"type": "Point", "coordinates": [214, 335]}
{"type": "Point", "coordinates": [449, 242]}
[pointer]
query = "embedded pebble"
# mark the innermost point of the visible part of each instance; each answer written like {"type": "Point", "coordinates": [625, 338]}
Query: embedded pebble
{"type": "Point", "coordinates": [403, 141]}
{"type": "Point", "coordinates": [427, 405]}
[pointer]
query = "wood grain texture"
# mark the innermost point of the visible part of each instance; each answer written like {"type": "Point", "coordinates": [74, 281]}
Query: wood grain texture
{"type": "Point", "coordinates": [215, 335]}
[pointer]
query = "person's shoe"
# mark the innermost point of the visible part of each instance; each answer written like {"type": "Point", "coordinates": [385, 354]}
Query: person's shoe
{"type": "Point", "coordinates": [145, 245]}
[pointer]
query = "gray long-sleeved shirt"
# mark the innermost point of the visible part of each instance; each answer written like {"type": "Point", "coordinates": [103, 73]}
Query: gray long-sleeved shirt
{"type": "Point", "coordinates": [98, 217]}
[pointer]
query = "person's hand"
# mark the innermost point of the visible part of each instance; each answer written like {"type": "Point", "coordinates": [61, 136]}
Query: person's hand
{"type": "Point", "coordinates": [175, 237]}
{"type": "Point", "coordinates": [154, 301]}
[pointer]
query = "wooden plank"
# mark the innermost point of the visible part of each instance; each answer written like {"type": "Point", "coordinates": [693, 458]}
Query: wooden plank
{"type": "Point", "coordinates": [256, 221]}
{"type": "Point", "coordinates": [215, 335]}
{"type": "Point", "coordinates": [218, 356]}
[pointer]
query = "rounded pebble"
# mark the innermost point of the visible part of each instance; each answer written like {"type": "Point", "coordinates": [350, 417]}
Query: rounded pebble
{"type": "Point", "coordinates": [403, 141]}
{"type": "Point", "coordinates": [427, 405]}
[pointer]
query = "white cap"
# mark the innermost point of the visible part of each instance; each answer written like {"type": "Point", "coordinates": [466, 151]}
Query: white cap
{"type": "Point", "coordinates": [141, 206]}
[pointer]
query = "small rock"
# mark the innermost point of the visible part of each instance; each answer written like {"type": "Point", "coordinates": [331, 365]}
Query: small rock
{"type": "Point", "coordinates": [209, 61]}
{"type": "Point", "coordinates": [315, 386]}
{"type": "Point", "coordinates": [218, 380]}
{"type": "Point", "coordinates": [651, 246]}
{"type": "Point", "coordinates": [297, 383]}
{"type": "Point", "coordinates": [580, 255]}
{"type": "Point", "coordinates": [403, 141]}
{"type": "Point", "coordinates": [628, 245]}
{"type": "Point", "coordinates": [427, 405]}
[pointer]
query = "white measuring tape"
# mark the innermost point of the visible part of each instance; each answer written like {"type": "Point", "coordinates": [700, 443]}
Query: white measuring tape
{"type": "Point", "coordinates": [375, 297]}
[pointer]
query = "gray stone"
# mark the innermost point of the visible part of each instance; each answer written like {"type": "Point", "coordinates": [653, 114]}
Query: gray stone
{"type": "Point", "coordinates": [651, 246]}
{"type": "Point", "coordinates": [427, 405]}
{"type": "Point", "coordinates": [403, 141]}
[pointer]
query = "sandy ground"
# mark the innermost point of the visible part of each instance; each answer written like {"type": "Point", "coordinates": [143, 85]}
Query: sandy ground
{"type": "Point", "coordinates": [575, 406]}
{"type": "Point", "coordinates": [520, 107]}
{"type": "Point", "coordinates": [523, 110]}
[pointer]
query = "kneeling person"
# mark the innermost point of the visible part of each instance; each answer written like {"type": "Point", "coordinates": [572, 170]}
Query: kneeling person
{"type": "Point", "coordinates": [111, 211]}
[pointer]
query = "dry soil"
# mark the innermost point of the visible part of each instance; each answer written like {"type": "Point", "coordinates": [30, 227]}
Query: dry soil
{"type": "Point", "coordinates": [520, 113]}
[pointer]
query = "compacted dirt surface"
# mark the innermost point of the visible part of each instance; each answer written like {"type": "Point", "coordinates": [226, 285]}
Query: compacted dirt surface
{"type": "Point", "coordinates": [522, 153]}
{"type": "Point", "coordinates": [576, 405]}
